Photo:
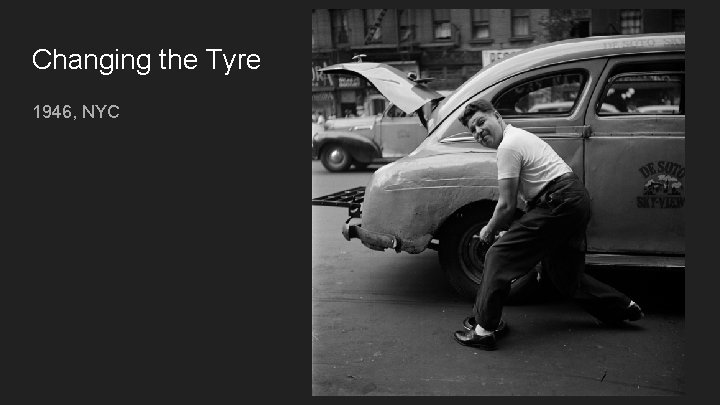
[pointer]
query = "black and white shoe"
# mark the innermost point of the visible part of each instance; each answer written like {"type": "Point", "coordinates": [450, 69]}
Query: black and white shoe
{"type": "Point", "coordinates": [469, 324]}
{"type": "Point", "coordinates": [472, 339]}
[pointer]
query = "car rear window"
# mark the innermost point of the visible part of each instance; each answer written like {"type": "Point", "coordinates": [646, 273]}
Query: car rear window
{"type": "Point", "coordinates": [644, 93]}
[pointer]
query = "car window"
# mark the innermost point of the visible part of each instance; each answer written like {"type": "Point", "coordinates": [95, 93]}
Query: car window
{"type": "Point", "coordinates": [377, 106]}
{"type": "Point", "coordinates": [644, 93]}
{"type": "Point", "coordinates": [554, 94]}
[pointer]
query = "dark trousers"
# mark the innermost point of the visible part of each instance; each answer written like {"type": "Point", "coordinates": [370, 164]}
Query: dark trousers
{"type": "Point", "coordinates": [552, 231]}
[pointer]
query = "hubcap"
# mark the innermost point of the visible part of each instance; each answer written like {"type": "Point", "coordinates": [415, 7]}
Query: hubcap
{"type": "Point", "coordinates": [337, 156]}
{"type": "Point", "coordinates": [473, 254]}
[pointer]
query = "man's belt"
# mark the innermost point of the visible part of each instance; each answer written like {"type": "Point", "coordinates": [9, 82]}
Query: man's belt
{"type": "Point", "coordinates": [539, 198]}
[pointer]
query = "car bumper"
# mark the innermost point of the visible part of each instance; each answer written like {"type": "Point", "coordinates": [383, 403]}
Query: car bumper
{"type": "Point", "coordinates": [352, 228]}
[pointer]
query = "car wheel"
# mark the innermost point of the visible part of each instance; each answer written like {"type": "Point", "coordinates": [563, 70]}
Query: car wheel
{"type": "Point", "coordinates": [462, 257]}
{"type": "Point", "coordinates": [335, 158]}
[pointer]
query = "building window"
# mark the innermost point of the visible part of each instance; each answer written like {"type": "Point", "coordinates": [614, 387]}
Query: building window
{"type": "Point", "coordinates": [630, 21]}
{"type": "Point", "coordinates": [480, 23]}
{"type": "Point", "coordinates": [441, 24]}
{"type": "Point", "coordinates": [373, 34]}
{"type": "Point", "coordinates": [340, 26]}
{"type": "Point", "coordinates": [678, 20]}
{"type": "Point", "coordinates": [580, 29]}
{"type": "Point", "coordinates": [520, 22]}
{"type": "Point", "coordinates": [406, 31]}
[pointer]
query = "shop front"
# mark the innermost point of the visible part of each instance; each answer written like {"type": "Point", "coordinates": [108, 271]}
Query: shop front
{"type": "Point", "coordinates": [352, 96]}
{"type": "Point", "coordinates": [337, 96]}
{"type": "Point", "coordinates": [323, 102]}
{"type": "Point", "coordinates": [324, 99]}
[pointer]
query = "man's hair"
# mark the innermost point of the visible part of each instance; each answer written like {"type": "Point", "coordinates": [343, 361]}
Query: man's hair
{"type": "Point", "coordinates": [481, 105]}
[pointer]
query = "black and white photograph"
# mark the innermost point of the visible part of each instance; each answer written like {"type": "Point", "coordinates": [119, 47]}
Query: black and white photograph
{"type": "Point", "coordinates": [498, 202]}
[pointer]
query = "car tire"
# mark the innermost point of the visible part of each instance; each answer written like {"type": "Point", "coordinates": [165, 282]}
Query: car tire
{"type": "Point", "coordinates": [462, 257]}
{"type": "Point", "coordinates": [335, 158]}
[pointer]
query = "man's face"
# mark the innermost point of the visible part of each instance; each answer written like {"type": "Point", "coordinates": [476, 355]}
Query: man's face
{"type": "Point", "coordinates": [486, 129]}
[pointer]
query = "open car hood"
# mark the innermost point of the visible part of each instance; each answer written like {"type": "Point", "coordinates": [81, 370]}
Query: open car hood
{"type": "Point", "coordinates": [391, 82]}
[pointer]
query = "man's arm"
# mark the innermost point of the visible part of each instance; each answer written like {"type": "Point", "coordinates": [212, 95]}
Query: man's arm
{"type": "Point", "coordinates": [504, 210]}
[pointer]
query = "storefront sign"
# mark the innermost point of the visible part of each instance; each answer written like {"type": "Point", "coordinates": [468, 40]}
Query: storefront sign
{"type": "Point", "coordinates": [323, 96]}
{"type": "Point", "coordinates": [493, 55]}
{"type": "Point", "coordinates": [348, 81]}
{"type": "Point", "coordinates": [318, 78]}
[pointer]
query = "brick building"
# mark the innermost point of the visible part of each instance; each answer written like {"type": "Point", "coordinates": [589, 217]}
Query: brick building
{"type": "Point", "coordinates": [449, 45]}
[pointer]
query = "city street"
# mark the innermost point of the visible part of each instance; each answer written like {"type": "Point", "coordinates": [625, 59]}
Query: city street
{"type": "Point", "coordinates": [383, 323]}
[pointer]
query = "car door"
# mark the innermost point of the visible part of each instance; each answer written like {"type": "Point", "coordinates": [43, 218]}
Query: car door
{"type": "Point", "coordinates": [635, 156]}
{"type": "Point", "coordinates": [400, 133]}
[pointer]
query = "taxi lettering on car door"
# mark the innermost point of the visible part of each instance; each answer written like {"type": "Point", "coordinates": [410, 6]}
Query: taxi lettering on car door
{"type": "Point", "coordinates": [635, 156]}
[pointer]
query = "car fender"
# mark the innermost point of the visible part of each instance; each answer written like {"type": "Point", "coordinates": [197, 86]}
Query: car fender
{"type": "Point", "coordinates": [408, 201]}
{"type": "Point", "coordinates": [360, 147]}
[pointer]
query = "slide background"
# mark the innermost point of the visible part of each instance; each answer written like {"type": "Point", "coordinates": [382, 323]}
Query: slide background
{"type": "Point", "coordinates": [160, 256]}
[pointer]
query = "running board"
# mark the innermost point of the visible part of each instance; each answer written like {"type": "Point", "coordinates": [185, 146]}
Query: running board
{"type": "Point", "coordinates": [667, 262]}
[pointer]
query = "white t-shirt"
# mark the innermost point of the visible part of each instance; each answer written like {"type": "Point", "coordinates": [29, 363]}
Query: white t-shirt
{"type": "Point", "coordinates": [524, 155]}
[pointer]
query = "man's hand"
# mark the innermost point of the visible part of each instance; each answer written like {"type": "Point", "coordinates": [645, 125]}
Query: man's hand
{"type": "Point", "coordinates": [485, 235]}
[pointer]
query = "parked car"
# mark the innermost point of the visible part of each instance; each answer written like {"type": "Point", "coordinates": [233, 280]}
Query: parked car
{"type": "Point", "coordinates": [360, 141]}
{"type": "Point", "coordinates": [633, 164]}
